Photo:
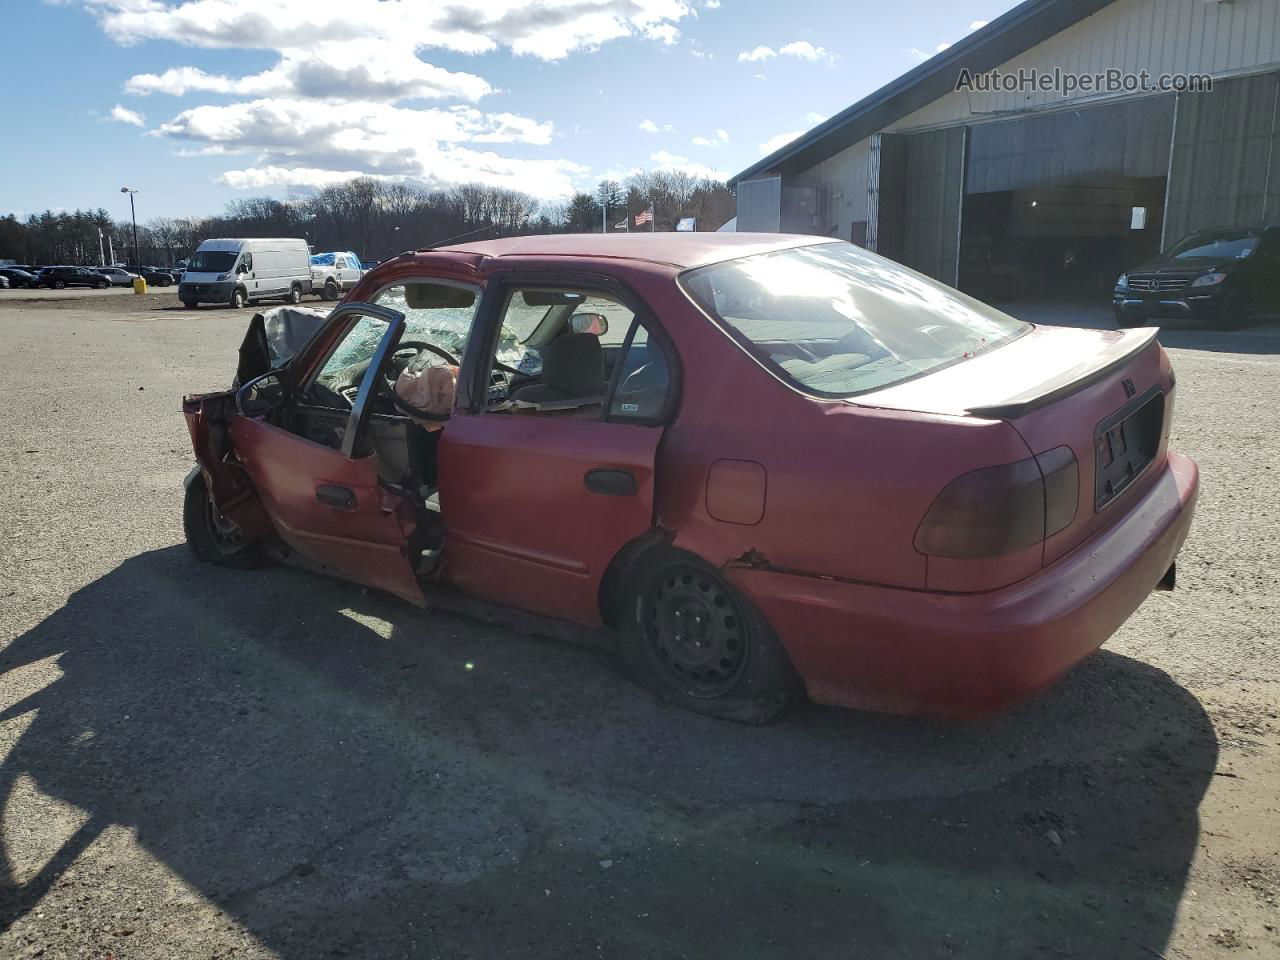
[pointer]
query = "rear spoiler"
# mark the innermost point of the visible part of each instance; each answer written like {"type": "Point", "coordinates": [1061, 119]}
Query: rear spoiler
{"type": "Point", "coordinates": [1126, 346]}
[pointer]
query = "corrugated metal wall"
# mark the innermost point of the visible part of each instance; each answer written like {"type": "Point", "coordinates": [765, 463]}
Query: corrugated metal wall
{"type": "Point", "coordinates": [920, 188]}
{"type": "Point", "coordinates": [845, 175]}
{"type": "Point", "coordinates": [1226, 157]}
{"type": "Point", "coordinates": [760, 205]}
{"type": "Point", "coordinates": [1129, 139]}
{"type": "Point", "coordinates": [1159, 36]}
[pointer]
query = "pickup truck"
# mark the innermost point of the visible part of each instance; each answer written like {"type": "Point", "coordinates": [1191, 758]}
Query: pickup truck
{"type": "Point", "coordinates": [333, 274]}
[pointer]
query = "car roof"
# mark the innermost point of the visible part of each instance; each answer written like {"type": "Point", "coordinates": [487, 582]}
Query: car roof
{"type": "Point", "coordinates": [677, 249]}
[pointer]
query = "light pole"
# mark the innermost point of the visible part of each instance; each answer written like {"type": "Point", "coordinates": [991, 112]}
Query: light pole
{"type": "Point", "coordinates": [134, 214]}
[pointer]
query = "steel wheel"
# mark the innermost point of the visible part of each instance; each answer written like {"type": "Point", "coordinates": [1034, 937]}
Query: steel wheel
{"type": "Point", "coordinates": [225, 536]}
{"type": "Point", "coordinates": [695, 631]}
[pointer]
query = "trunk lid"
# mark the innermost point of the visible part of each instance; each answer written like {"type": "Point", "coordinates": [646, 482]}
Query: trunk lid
{"type": "Point", "coordinates": [1105, 394]}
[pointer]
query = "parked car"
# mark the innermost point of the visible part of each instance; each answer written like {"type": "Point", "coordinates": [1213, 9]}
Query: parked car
{"type": "Point", "coordinates": [116, 276]}
{"type": "Point", "coordinates": [4, 282]}
{"type": "Point", "coordinates": [239, 271]}
{"type": "Point", "coordinates": [19, 278]}
{"type": "Point", "coordinates": [157, 276]}
{"type": "Point", "coordinates": [1220, 278]}
{"type": "Point", "coordinates": [769, 463]}
{"type": "Point", "coordinates": [58, 277]}
{"type": "Point", "coordinates": [333, 274]}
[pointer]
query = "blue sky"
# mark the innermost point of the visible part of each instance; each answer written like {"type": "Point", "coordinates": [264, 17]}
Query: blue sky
{"type": "Point", "coordinates": [195, 102]}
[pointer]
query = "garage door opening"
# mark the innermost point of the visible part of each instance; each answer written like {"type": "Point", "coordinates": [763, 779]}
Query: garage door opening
{"type": "Point", "coordinates": [1060, 242]}
{"type": "Point", "coordinates": [1057, 206]}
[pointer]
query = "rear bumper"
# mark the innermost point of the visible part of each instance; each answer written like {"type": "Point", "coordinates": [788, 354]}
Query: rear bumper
{"type": "Point", "coordinates": [958, 655]}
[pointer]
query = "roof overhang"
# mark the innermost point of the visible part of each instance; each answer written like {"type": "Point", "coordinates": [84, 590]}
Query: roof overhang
{"type": "Point", "coordinates": [1026, 25]}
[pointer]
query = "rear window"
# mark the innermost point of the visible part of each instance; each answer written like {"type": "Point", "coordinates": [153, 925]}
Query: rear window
{"type": "Point", "coordinates": [837, 320]}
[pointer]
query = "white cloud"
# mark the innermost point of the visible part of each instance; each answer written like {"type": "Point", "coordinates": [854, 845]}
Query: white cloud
{"type": "Point", "coordinates": [805, 50]}
{"type": "Point", "coordinates": [721, 137]}
{"type": "Point", "coordinates": [332, 70]}
{"type": "Point", "coordinates": [536, 28]}
{"type": "Point", "coordinates": [294, 144]}
{"type": "Point", "coordinates": [711, 4]}
{"type": "Point", "coordinates": [942, 46]}
{"type": "Point", "coordinates": [663, 160]}
{"type": "Point", "coordinates": [800, 49]}
{"type": "Point", "coordinates": [978, 24]}
{"type": "Point", "coordinates": [757, 55]}
{"type": "Point", "coordinates": [326, 109]}
{"type": "Point", "coordinates": [781, 140]}
{"type": "Point", "coordinates": [759, 76]}
{"type": "Point", "coordinates": [815, 118]}
{"type": "Point", "coordinates": [125, 115]}
{"type": "Point", "coordinates": [648, 126]}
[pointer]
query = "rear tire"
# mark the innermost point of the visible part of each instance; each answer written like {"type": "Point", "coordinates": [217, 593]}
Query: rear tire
{"type": "Point", "coordinates": [59, 284]}
{"type": "Point", "coordinates": [295, 295]}
{"type": "Point", "coordinates": [190, 304]}
{"type": "Point", "coordinates": [211, 536]}
{"type": "Point", "coordinates": [695, 641]}
{"type": "Point", "coordinates": [238, 299]}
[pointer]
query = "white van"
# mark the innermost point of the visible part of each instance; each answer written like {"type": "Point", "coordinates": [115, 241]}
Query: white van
{"type": "Point", "coordinates": [240, 271]}
{"type": "Point", "coordinates": [333, 274]}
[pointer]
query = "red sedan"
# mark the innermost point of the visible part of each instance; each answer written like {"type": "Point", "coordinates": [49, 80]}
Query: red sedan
{"type": "Point", "coordinates": [771, 463]}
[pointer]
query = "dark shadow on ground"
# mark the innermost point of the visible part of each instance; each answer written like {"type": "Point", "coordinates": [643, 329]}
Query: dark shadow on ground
{"type": "Point", "coordinates": [337, 792]}
{"type": "Point", "coordinates": [1260, 336]}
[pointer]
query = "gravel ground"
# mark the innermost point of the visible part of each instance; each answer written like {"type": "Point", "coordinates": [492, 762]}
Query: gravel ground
{"type": "Point", "coordinates": [196, 762]}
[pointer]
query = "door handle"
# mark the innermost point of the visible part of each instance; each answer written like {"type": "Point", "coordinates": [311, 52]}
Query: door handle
{"type": "Point", "coordinates": [332, 495]}
{"type": "Point", "coordinates": [611, 483]}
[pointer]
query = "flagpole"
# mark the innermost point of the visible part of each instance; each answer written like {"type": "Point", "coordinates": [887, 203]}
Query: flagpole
{"type": "Point", "coordinates": [653, 225]}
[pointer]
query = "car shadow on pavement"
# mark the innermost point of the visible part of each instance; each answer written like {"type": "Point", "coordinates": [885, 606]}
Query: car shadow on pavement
{"type": "Point", "coordinates": [328, 771]}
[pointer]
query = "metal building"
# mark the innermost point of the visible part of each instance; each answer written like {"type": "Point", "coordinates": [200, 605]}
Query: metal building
{"type": "Point", "coordinates": [1022, 193]}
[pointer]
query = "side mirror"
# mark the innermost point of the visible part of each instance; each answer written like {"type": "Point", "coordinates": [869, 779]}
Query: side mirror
{"type": "Point", "coordinates": [594, 323]}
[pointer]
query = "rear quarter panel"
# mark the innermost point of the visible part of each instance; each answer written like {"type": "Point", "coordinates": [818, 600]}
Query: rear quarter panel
{"type": "Point", "coordinates": [846, 487]}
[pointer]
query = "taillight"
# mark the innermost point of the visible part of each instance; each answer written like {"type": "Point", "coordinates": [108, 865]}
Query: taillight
{"type": "Point", "coordinates": [1000, 510]}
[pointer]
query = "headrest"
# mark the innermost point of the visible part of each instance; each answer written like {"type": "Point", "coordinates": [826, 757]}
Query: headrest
{"type": "Point", "coordinates": [574, 364]}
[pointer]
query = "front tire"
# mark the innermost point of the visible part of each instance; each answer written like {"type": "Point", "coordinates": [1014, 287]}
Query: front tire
{"type": "Point", "coordinates": [1234, 311]}
{"type": "Point", "coordinates": [211, 536]}
{"type": "Point", "coordinates": [694, 640]}
{"type": "Point", "coordinates": [295, 295]}
{"type": "Point", "coordinates": [330, 291]}
{"type": "Point", "coordinates": [59, 284]}
{"type": "Point", "coordinates": [190, 304]}
{"type": "Point", "coordinates": [237, 299]}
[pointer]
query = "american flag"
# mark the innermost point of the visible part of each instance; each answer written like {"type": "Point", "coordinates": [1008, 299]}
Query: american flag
{"type": "Point", "coordinates": [645, 217]}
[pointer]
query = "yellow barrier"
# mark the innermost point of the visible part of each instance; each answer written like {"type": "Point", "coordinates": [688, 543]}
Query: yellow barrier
{"type": "Point", "coordinates": [139, 285]}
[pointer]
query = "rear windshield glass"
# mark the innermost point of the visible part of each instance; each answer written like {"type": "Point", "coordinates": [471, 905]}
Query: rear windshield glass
{"type": "Point", "coordinates": [838, 320]}
{"type": "Point", "coordinates": [1225, 245]}
{"type": "Point", "coordinates": [211, 261]}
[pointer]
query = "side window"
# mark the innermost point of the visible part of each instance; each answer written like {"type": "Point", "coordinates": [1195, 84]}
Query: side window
{"type": "Point", "coordinates": [557, 349]}
{"type": "Point", "coordinates": [644, 380]}
{"type": "Point", "coordinates": [347, 365]}
{"type": "Point", "coordinates": [247, 260]}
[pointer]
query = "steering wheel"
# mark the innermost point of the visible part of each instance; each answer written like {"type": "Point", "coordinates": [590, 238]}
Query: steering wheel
{"type": "Point", "coordinates": [390, 382]}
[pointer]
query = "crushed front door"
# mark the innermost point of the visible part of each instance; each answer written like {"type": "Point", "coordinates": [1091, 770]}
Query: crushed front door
{"type": "Point", "coordinates": [328, 504]}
